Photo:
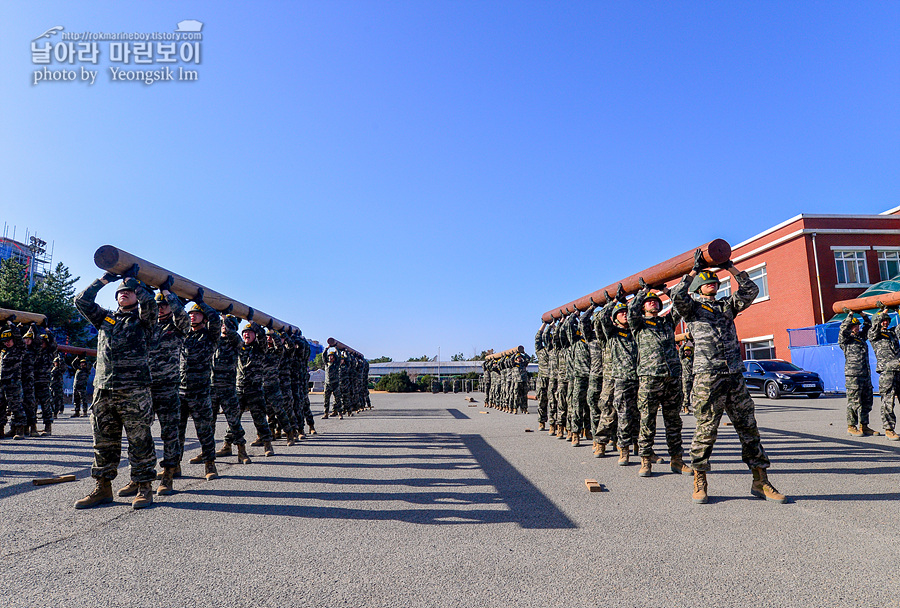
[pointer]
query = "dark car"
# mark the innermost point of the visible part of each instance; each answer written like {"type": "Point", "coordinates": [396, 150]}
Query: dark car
{"type": "Point", "coordinates": [775, 378]}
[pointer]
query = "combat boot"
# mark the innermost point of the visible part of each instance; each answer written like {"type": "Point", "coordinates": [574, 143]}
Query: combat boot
{"type": "Point", "coordinates": [312, 430]}
{"type": "Point", "coordinates": [575, 440]}
{"type": "Point", "coordinates": [700, 496]}
{"type": "Point", "coordinates": [277, 434]}
{"type": "Point", "coordinates": [267, 446]}
{"type": "Point", "coordinates": [144, 496]}
{"type": "Point", "coordinates": [75, 415]}
{"type": "Point", "coordinates": [211, 472]}
{"type": "Point", "coordinates": [552, 429]}
{"type": "Point", "coordinates": [854, 431]}
{"type": "Point", "coordinates": [595, 447]}
{"type": "Point", "coordinates": [325, 417]}
{"type": "Point", "coordinates": [225, 450]}
{"type": "Point", "coordinates": [542, 426]}
{"type": "Point", "coordinates": [761, 488]}
{"type": "Point", "coordinates": [646, 467]}
{"type": "Point", "coordinates": [588, 434]}
{"type": "Point", "coordinates": [166, 484]}
{"type": "Point", "coordinates": [654, 459]}
{"type": "Point", "coordinates": [101, 494]}
{"type": "Point", "coordinates": [243, 458]}
{"type": "Point", "coordinates": [624, 454]}
{"type": "Point", "coordinates": [290, 438]}
{"type": "Point", "coordinates": [678, 465]}
{"type": "Point", "coordinates": [865, 430]}
{"type": "Point", "coordinates": [258, 443]}
{"type": "Point", "coordinates": [47, 430]}
{"type": "Point", "coordinates": [18, 432]}
{"type": "Point", "coordinates": [32, 430]}
{"type": "Point", "coordinates": [198, 459]}
{"type": "Point", "coordinates": [129, 490]}
{"type": "Point", "coordinates": [301, 435]}
{"type": "Point", "coordinates": [601, 450]}
{"type": "Point", "coordinates": [890, 434]}
{"type": "Point", "coordinates": [560, 433]}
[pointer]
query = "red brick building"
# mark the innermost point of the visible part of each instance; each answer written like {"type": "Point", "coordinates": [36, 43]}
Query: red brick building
{"type": "Point", "coordinates": [804, 265]}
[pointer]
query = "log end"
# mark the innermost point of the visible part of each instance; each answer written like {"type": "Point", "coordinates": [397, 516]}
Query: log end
{"type": "Point", "coordinates": [718, 251]}
{"type": "Point", "coordinates": [331, 341]}
{"type": "Point", "coordinates": [106, 257]}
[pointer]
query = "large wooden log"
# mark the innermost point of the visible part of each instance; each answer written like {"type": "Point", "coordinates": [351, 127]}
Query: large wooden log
{"type": "Point", "coordinates": [77, 350]}
{"type": "Point", "coordinates": [509, 351]}
{"type": "Point", "coordinates": [867, 303]}
{"type": "Point", "coordinates": [115, 260]}
{"type": "Point", "coordinates": [22, 317]}
{"type": "Point", "coordinates": [714, 252]}
{"type": "Point", "coordinates": [341, 346]}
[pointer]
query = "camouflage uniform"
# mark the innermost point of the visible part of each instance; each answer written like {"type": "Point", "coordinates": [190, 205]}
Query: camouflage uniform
{"type": "Point", "coordinates": [197, 350]}
{"type": "Point", "coordinates": [11, 380]}
{"type": "Point", "coordinates": [543, 380]}
{"type": "Point", "coordinates": [718, 370]}
{"type": "Point", "coordinates": [365, 378]}
{"type": "Point", "coordinates": [79, 384]}
{"type": "Point", "coordinates": [579, 416]}
{"type": "Point", "coordinates": [43, 362]}
{"type": "Point", "coordinates": [122, 383]}
{"type": "Point", "coordinates": [622, 366]}
{"type": "Point", "coordinates": [686, 353]}
{"type": "Point", "coordinates": [659, 376]}
{"type": "Point", "coordinates": [520, 382]}
{"type": "Point", "coordinates": [552, 374]}
{"type": "Point", "coordinates": [284, 378]}
{"type": "Point", "coordinates": [250, 392]}
{"type": "Point", "coordinates": [301, 357]}
{"type": "Point", "coordinates": [29, 353]}
{"type": "Point", "coordinates": [332, 380]}
{"type": "Point", "coordinates": [887, 364]}
{"type": "Point", "coordinates": [596, 341]}
{"type": "Point", "coordinates": [57, 371]}
{"type": "Point", "coordinates": [857, 372]}
{"type": "Point", "coordinates": [272, 386]}
{"type": "Point", "coordinates": [495, 384]}
{"type": "Point", "coordinates": [224, 382]}
{"type": "Point", "coordinates": [486, 381]}
{"type": "Point", "coordinates": [164, 358]}
{"type": "Point", "coordinates": [562, 375]}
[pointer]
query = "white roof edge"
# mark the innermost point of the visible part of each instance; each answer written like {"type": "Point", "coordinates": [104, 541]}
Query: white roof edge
{"type": "Point", "coordinates": [812, 216]}
{"type": "Point", "coordinates": [890, 211]}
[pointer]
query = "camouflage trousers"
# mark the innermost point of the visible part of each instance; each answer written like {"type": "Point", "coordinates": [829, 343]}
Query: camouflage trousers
{"type": "Point", "coordinates": [888, 386]}
{"type": "Point", "coordinates": [562, 402]}
{"type": "Point", "coordinates": [11, 403]}
{"type": "Point", "coordinates": [224, 398]}
{"type": "Point", "coordinates": [114, 410]}
{"type": "Point", "coordinates": [42, 398]}
{"type": "Point", "coordinates": [79, 398]}
{"type": "Point", "coordinates": [333, 389]}
{"type": "Point", "coordinates": [579, 416]}
{"type": "Point", "coordinates": [655, 393]}
{"type": "Point", "coordinates": [198, 406]}
{"type": "Point", "coordinates": [305, 408]}
{"type": "Point", "coordinates": [687, 388]}
{"type": "Point", "coordinates": [254, 401]}
{"type": "Point", "coordinates": [29, 402]}
{"type": "Point", "coordinates": [552, 406]}
{"type": "Point", "coordinates": [604, 418]}
{"type": "Point", "coordinates": [624, 399]}
{"type": "Point", "coordinates": [288, 397]}
{"type": "Point", "coordinates": [275, 407]}
{"type": "Point", "coordinates": [717, 393]}
{"type": "Point", "coordinates": [56, 399]}
{"type": "Point", "coordinates": [859, 399]}
{"type": "Point", "coordinates": [347, 395]}
{"type": "Point", "coordinates": [543, 385]}
{"type": "Point", "coordinates": [167, 408]}
{"type": "Point", "coordinates": [520, 392]}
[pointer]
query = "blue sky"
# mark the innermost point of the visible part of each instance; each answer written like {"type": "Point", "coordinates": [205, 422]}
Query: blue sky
{"type": "Point", "coordinates": [405, 176]}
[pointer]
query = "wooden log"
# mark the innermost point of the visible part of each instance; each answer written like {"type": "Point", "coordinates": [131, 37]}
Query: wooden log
{"type": "Point", "coordinates": [22, 316]}
{"type": "Point", "coordinates": [115, 260]}
{"type": "Point", "coordinates": [682, 337]}
{"type": "Point", "coordinates": [77, 350]}
{"type": "Point", "coordinates": [592, 485]}
{"type": "Point", "coordinates": [867, 303]}
{"type": "Point", "coordinates": [46, 481]}
{"type": "Point", "coordinates": [509, 351]}
{"type": "Point", "coordinates": [714, 252]}
{"type": "Point", "coordinates": [341, 346]}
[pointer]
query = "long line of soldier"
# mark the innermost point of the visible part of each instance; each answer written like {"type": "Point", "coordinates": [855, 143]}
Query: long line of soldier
{"type": "Point", "coordinates": [346, 380]}
{"type": "Point", "coordinates": [505, 382]}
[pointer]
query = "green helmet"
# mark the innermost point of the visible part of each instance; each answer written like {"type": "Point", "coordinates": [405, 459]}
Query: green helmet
{"type": "Point", "coordinates": [620, 307]}
{"type": "Point", "coordinates": [703, 278]}
{"type": "Point", "coordinates": [127, 284]}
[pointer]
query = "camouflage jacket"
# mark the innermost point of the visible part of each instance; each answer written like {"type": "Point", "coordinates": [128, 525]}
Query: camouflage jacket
{"type": "Point", "coordinates": [344, 368]}
{"type": "Point", "coordinates": [165, 346]}
{"type": "Point", "coordinates": [885, 345]}
{"type": "Point", "coordinates": [521, 362]}
{"type": "Point", "coordinates": [543, 356]}
{"type": "Point", "coordinates": [301, 355]}
{"type": "Point", "coordinates": [224, 363]}
{"type": "Point", "coordinates": [332, 369]}
{"type": "Point", "coordinates": [57, 373]}
{"type": "Point", "coordinates": [250, 361]}
{"type": "Point", "coordinates": [622, 362]}
{"type": "Point", "coordinates": [287, 360]}
{"type": "Point", "coordinates": [29, 354]}
{"type": "Point", "coordinates": [552, 354]}
{"type": "Point", "coordinates": [655, 337]}
{"type": "Point", "coordinates": [581, 354]}
{"type": "Point", "coordinates": [711, 323]}
{"type": "Point", "coordinates": [80, 379]}
{"type": "Point", "coordinates": [596, 340]}
{"type": "Point", "coordinates": [486, 372]}
{"type": "Point", "coordinates": [11, 360]}
{"type": "Point", "coordinates": [122, 338]}
{"type": "Point", "coordinates": [43, 361]}
{"type": "Point", "coordinates": [856, 350]}
{"type": "Point", "coordinates": [274, 354]}
{"type": "Point", "coordinates": [197, 350]}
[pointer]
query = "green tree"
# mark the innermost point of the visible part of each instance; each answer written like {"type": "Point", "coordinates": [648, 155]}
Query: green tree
{"type": "Point", "coordinates": [422, 359]}
{"type": "Point", "coordinates": [53, 297]}
{"type": "Point", "coordinates": [458, 357]}
{"type": "Point", "coordinates": [381, 360]}
{"type": "Point", "coordinates": [396, 383]}
{"type": "Point", "coordinates": [483, 354]}
{"type": "Point", "coordinates": [13, 288]}
{"type": "Point", "coordinates": [424, 383]}
{"type": "Point", "coordinates": [317, 363]}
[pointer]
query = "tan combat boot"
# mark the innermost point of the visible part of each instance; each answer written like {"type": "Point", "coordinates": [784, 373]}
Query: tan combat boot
{"type": "Point", "coordinates": [277, 434]}
{"type": "Point", "coordinates": [865, 430]}
{"type": "Point", "coordinates": [595, 447]}
{"type": "Point", "coordinates": [243, 458]}
{"type": "Point", "coordinates": [267, 446]}
{"type": "Point", "coordinates": [624, 454]}
{"type": "Point", "coordinates": [211, 472]}
{"type": "Point", "coordinates": [678, 466]}
{"type": "Point", "coordinates": [101, 494]}
{"type": "Point", "coordinates": [646, 469]}
{"type": "Point", "coordinates": [198, 459]}
{"type": "Point", "coordinates": [18, 433]}
{"type": "Point", "coordinates": [225, 450]}
{"type": "Point", "coordinates": [258, 443]}
{"type": "Point", "coordinates": [47, 430]}
{"type": "Point", "coordinates": [761, 488]}
{"type": "Point", "coordinates": [588, 434]}
{"type": "Point", "coordinates": [290, 438]}
{"type": "Point", "coordinates": [542, 426]}
{"type": "Point", "coordinates": [601, 450]}
{"type": "Point", "coordinates": [654, 459]}
{"type": "Point", "coordinates": [312, 430]}
{"type": "Point", "coordinates": [144, 496]}
{"type": "Point", "coordinates": [854, 431]}
{"type": "Point", "coordinates": [128, 490]}
{"type": "Point", "coordinates": [560, 432]}
{"type": "Point", "coordinates": [552, 429]}
{"type": "Point", "coordinates": [700, 496]}
{"type": "Point", "coordinates": [576, 441]}
{"type": "Point", "coordinates": [890, 434]}
{"type": "Point", "coordinates": [166, 484]}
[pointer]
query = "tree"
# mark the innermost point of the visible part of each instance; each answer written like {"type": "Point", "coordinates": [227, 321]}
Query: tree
{"type": "Point", "coordinates": [317, 363]}
{"type": "Point", "coordinates": [53, 297]}
{"type": "Point", "coordinates": [483, 354]}
{"type": "Point", "coordinates": [422, 359]}
{"type": "Point", "coordinates": [13, 290]}
{"type": "Point", "coordinates": [396, 383]}
{"type": "Point", "coordinates": [424, 382]}
{"type": "Point", "coordinates": [458, 357]}
{"type": "Point", "coordinates": [381, 360]}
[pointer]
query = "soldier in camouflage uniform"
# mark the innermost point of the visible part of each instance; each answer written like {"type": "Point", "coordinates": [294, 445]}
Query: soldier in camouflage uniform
{"type": "Point", "coordinates": [562, 380]}
{"type": "Point", "coordinates": [552, 376]}
{"type": "Point", "coordinates": [365, 378]}
{"type": "Point", "coordinates": [43, 362]}
{"type": "Point", "coordinates": [284, 378]}
{"type": "Point", "coordinates": [579, 416]}
{"type": "Point", "coordinates": [519, 372]}
{"type": "Point", "coordinates": [718, 373]}
{"type": "Point", "coordinates": [543, 381]}
{"type": "Point", "coordinates": [659, 377]}
{"type": "Point", "coordinates": [486, 382]}
{"type": "Point", "coordinates": [852, 340]}
{"type": "Point", "coordinates": [29, 354]}
{"type": "Point", "coordinates": [301, 356]}
{"type": "Point", "coordinates": [250, 391]}
{"type": "Point", "coordinates": [686, 354]}
{"type": "Point", "coordinates": [275, 405]}
{"type": "Point", "coordinates": [596, 341]}
{"type": "Point", "coordinates": [887, 364]}
{"type": "Point", "coordinates": [11, 352]}
{"type": "Point", "coordinates": [332, 381]}
{"type": "Point", "coordinates": [81, 369]}
{"type": "Point", "coordinates": [495, 384]}
{"type": "Point", "coordinates": [224, 388]}
{"type": "Point", "coordinates": [121, 387]}
{"type": "Point", "coordinates": [57, 372]}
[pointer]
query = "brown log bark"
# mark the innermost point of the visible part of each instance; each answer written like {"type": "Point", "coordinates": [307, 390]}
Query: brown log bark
{"type": "Point", "coordinates": [115, 260]}
{"type": "Point", "coordinates": [715, 252]}
{"type": "Point", "coordinates": [341, 346]}
{"type": "Point", "coordinates": [22, 317]}
{"type": "Point", "coordinates": [867, 303]}
{"type": "Point", "coordinates": [77, 350]}
{"type": "Point", "coordinates": [46, 481]}
{"type": "Point", "coordinates": [509, 351]}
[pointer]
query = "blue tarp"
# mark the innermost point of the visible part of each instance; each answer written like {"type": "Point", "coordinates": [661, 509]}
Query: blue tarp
{"type": "Point", "coordinates": [828, 362]}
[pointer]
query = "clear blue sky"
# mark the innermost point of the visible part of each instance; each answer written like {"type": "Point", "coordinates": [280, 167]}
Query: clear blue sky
{"type": "Point", "coordinates": [405, 176]}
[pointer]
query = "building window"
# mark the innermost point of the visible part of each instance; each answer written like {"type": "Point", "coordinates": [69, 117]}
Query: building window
{"type": "Point", "coordinates": [888, 264]}
{"type": "Point", "coordinates": [758, 275]}
{"type": "Point", "coordinates": [760, 349]}
{"type": "Point", "coordinates": [851, 267]}
{"type": "Point", "coordinates": [724, 289]}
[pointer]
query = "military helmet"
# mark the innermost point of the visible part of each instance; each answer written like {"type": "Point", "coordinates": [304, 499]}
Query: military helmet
{"type": "Point", "coordinates": [620, 307]}
{"type": "Point", "coordinates": [196, 308]}
{"type": "Point", "coordinates": [127, 284]}
{"type": "Point", "coordinates": [160, 298]}
{"type": "Point", "coordinates": [7, 334]}
{"type": "Point", "coordinates": [29, 333]}
{"type": "Point", "coordinates": [231, 322]}
{"type": "Point", "coordinates": [653, 296]}
{"type": "Point", "coordinates": [704, 278]}
{"type": "Point", "coordinates": [854, 321]}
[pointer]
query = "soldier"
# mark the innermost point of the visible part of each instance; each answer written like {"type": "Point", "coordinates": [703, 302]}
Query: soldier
{"type": "Point", "coordinates": [686, 354]}
{"type": "Point", "coordinates": [121, 387]}
{"type": "Point", "coordinates": [44, 355]}
{"type": "Point", "coordinates": [82, 369]}
{"type": "Point", "coordinates": [250, 391]}
{"type": "Point", "coordinates": [57, 371]}
{"type": "Point", "coordinates": [852, 340]}
{"type": "Point", "coordinates": [345, 373]}
{"type": "Point", "coordinates": [301, 355]}
{"type": "Point", "coordinates": [195, 371]}
{"type": "Point", "coordinates": [11, 352]}
{"type": "Point", "coordinates": [520, 382]}
{"type": "Point", "coordinates": [887, 364]}
{"type": "Point", "coordinates": [496, 382]}
{"type": "Point", "coordinates": [562, 381]}
{"type": "Point", "coordinates": [29, 354]}
{"type": "Point", "coordinates": [659, 378]}
{"type": "Point", "coordinates": [486, 382]}
{"type": "Point", "coordinates": [579, 417]}
{"type": "Point", "coordinates": [272, 386]}
{"type": "Point", "coordinates": [596, 341]}
{"type": "Point", "coordinates": [224, 389]}
{"type": "Point", "coordinates": [332, 381]}
{"type": "Point", "coordinates": [718, 373]}
{"type": "Point", "coordinates": [543, 380]}
{"type": "Point", "coordinates": [552, 376]}
{"type": "Point", "coordinates": [285, 363]}
{"type": "Point", "coordinates": [365, 379]}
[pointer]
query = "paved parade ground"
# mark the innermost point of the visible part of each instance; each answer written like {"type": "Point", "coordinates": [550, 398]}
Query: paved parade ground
{"type": "Point", "coordinates": [427, 501]}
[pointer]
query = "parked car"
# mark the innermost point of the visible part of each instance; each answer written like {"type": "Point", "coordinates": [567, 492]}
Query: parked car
{"type": "Point", "coordinates": [775, 377]}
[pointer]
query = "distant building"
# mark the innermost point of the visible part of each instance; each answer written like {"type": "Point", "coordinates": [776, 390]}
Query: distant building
{"type": "Point", "coordinates": [446, 369]}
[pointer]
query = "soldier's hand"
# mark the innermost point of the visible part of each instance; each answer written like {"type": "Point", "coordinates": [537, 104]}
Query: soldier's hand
{"type": "Point", "coordinates": [880, 305]}
{"type": "Point", "coordinates": [620, 293]}
{"type": "Point", "coordinates": [847, 310]}
{"type": "Point", "coordinates": [726, 265]}
{"type": "Point", "coordinates": [132, 272]}
{"type": "Point", "coordinates": [109, 277]}
{"type": "Point", "coordinates": [228, 308]}
{"type": "Point", "coordinates": [699, 262]}
{"type": "Point", "coordinates": [642, 283]}
{"type": "Point", "coordinates": [608, 297]}
{"type": "Point", "coordinates": [167, 284]}
{"type": "Point", "coordinates": [199, 297]}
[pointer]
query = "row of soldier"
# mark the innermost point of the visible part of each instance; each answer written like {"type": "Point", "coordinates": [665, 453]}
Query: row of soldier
{"type": "Point", "coordinates": [347, 380]}
{"type": "Point", "coordinates": [31, 377]}
{"type": "Point", "coordinates": [505, 383]}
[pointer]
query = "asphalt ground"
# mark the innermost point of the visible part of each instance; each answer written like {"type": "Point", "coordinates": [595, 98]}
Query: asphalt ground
{"type": "Point", "coordinates": [426, 501]}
